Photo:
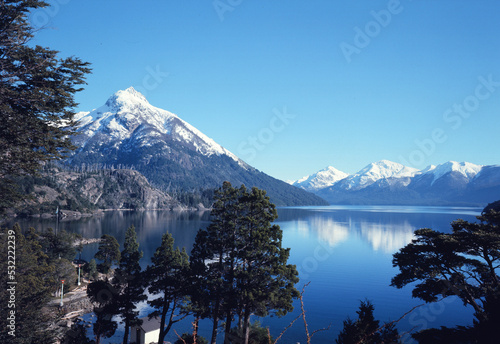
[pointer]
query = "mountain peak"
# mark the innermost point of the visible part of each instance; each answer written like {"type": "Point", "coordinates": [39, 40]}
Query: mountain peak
{"type": "Point", "coordinates": [375, 171]}
{"type": "Point", "coordinates": [322, 179]}
{"type": "Point", "coordinates": [133, 92]}
{"type": "Point", "coordinates": [386, 169]}
{"type": "Point", "coordinates": [129, 98]}
{"type": "Point", "coordinates": [129, 122]}
{"type": "Point", "coordinates": [467, 169]}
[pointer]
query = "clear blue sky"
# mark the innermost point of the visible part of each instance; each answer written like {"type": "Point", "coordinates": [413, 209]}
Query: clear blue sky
{"type": "Point", "coordinates": [294, 86]}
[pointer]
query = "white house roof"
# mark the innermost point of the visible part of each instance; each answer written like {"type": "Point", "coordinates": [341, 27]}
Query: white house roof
{"type": "Point", "coordinates": [149, 325]}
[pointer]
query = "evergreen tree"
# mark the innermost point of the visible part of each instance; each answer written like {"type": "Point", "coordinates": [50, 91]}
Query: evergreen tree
{"type": "Point", "coordinates": [264, 280]}
{"type": "Point", "coordinates": [463, 263]}
{"type": "Point", "coordinates": [212, 260]}
{"type": "Point", "coordinates": [92, 269]}
{"type": "Point", "coordinates": [129, 282]}
{"type": "Point", "coordinates": [108, 252]}
{"type": "Point", "coordinates": [104, 297]}
{"type": "Point", "coordinates": [59, 245]}
{"type": "Point", "coordinates": [168, 278]}
{"type": "Point", "coordinates": [258, 335]}
{"type": "Point", "coordinates": [365, 329]}
{"type": "Point", "coordinates": [238, 263]}
{"type": "Point", "coordinates": [36, 99]}
{"type": "Point", "coordinates": [64, 270]}
{"type": "Point", "coordinates": [34, 282]}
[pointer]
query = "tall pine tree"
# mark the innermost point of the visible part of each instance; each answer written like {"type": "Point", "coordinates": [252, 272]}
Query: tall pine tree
{"type": "Point", "coordinates": [212, 259]}
{"type": "Point", "coordinates": [264, 281]}
{"type": "Point", "coordinates": [104, 298]}
{"type": "Point", "coordinates": [167, 278]}
{"type": "Point", "coordinates": [36, 98]}
{"type": "Point", "coordinates": [238, 262]}
{"type": "Point", "coordinates": [129, 281]}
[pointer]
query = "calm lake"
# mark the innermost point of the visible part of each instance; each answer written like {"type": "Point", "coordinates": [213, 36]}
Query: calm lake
{"type": "Point", "coordinates": [345, 252]}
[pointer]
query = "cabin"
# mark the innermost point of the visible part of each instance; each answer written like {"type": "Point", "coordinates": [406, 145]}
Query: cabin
{"type": "Point", "coordinates": [147, 333]}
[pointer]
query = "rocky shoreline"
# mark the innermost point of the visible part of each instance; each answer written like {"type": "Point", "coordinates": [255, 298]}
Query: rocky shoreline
{"type": "Point", "coordinates": [70, 215]}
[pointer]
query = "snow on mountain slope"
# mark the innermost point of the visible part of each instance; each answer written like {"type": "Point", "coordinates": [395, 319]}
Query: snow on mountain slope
{"type": "Point", "coordinates": [128, 115]}
{"type": "Point", "coordinates": [467, 169]}
{"type": "Point", "coordinates": [386, 182]}
{"type": "Point", "coordinates": [128, 132]}
{"type": "Point", "coordinates": [322, 179]}
{"type": "Point", "coordinates": [375, 171]}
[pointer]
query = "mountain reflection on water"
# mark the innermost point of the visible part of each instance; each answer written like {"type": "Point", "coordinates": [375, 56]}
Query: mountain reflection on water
{"type": "Point", "coordinates": [345, 252]}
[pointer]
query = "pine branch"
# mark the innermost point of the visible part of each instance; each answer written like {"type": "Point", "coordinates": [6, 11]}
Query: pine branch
{"type": "Point", "coordinates": [283, 332]}
{"type": "Point", "coordinates": [180, 337]}
{"type": "Point", "coordinates": [394, 322]}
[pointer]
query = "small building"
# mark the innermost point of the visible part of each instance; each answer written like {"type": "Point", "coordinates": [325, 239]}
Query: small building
{"type": "Point", "coordinates": [147, 333]}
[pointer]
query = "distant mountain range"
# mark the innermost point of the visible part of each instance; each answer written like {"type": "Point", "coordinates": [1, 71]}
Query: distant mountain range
{"type": "Point", "coordinates": [127, 131]}
{"type": "Point", "coordinates": [389, 183]}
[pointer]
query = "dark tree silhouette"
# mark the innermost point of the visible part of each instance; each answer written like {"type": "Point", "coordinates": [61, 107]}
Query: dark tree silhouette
{"type": "Point", "coordinates": [36, 99]}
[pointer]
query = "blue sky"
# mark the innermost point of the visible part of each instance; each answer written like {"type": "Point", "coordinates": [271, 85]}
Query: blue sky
{"type": "Point", "coordinates": [294, 86]}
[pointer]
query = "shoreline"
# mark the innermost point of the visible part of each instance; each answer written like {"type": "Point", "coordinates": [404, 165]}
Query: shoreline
{"type": "Point", "coordinates": [69, 215]}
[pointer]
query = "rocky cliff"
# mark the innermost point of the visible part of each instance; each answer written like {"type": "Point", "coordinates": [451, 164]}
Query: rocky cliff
{"type": "Point", "coordinates": [89, 191]}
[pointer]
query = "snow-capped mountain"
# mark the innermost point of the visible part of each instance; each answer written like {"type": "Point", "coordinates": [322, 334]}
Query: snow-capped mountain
{"type": "Point", "coordinates": [320, 180]}
{"type": "Point", "coordinates": [127, 116]}
{"type": "Point", "coordinates": [375, 171]}
{"type": "Point", "coordinates": [127, 131]}
{"type": "Point", "coordinates": [466, 169]}
{"type": "Point", "coordinates": [371, 173]}
{"type": "Point", "coordinates": [386, 182]}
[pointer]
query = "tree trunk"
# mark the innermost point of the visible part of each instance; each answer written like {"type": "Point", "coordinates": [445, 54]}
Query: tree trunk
{"type": "Point", "coordinates": [171, 319]}
{"type": "Point", "coordinates": [228, 323]}
{"type": "Point", "coordinates": [162, 334]}
{"type": "Point", "coordinates": [492, 269]}
{"type": "Point", "coordinates": [195, 329]}
{"type": "Point", "coordinates": [127, 329]}
{"type": "Point", "coordinates": [214, 329]}
{"type": "Point", "coordinates": [240, 320]}
{"type": "Point", "coordinates": [246, 327]}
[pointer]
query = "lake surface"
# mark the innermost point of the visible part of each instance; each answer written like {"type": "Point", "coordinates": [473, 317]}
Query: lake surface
{"type": "Point", "coordinates": [345, 252]}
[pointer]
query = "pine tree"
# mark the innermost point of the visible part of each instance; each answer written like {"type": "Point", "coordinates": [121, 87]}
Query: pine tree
{"type": "Point", "coordinates": [92, 269]}
{"type": "Point", "coordinates": [238, 262]}
{"type": "Point", "coordinates": [36, 99]}
{"type": "Point", "coordinates": [129, 281]}
{"type": "Point", "coordinates": [108, 252]}
{"type": "Point", "coordinates": [366, 330]}
{"type": "Point", "coordinates": [59, 245]}
{"type": "Point", "coordinates": [104, 297]}
{"type": "Point", "coordinates": [212, 259]}
{"type": "Point", "coordinates": [463, 263]}
{"type": "Point", "coordinates": [168, 278]}
{"type": "Point", "coordinates": [263, 279]}
{"type": "Point", "coordinates": [34, 282]}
